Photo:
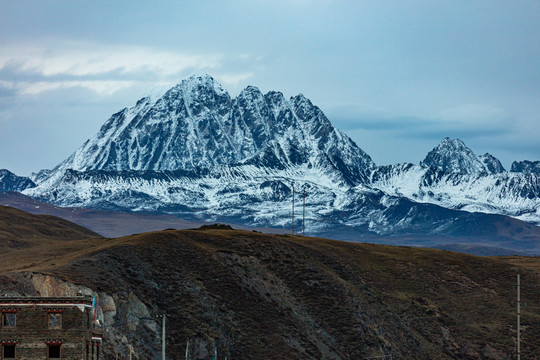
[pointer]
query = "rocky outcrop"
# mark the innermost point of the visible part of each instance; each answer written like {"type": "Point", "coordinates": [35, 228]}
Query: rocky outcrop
{"type": "Point", "coordinates": [526, 166]}
{"type": "Point", "coordinates": [11, 182]}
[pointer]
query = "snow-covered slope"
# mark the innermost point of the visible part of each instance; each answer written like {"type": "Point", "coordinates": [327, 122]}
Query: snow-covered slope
{"type": "Point", "coordinates": [256, 196]}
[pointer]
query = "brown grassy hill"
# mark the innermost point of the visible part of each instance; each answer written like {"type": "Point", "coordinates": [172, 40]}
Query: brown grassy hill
{"type": "Point", "coordinates": [261, 296]}
{"type": "Point", "coordinates": [107, 223]}
{"type": "Point", "coordinates": [19, 229]}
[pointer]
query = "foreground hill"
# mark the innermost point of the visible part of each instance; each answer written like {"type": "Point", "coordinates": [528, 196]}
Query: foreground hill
{"type": "Point", "coordinates": [19, 229]}
{"type": "Point", "coordinates": [106, 223]}
{"type": "Point", "coordinates": [250, 295]}
{"type": "Point", "coordinates": [119, 223]}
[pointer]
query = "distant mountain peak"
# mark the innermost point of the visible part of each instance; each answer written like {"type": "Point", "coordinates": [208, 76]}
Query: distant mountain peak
{"type": "Point", "coordinates": [453, 156]}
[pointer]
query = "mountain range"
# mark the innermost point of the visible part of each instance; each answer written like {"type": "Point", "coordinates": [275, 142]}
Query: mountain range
{"type": "Point", "coordinates": [197, 153]}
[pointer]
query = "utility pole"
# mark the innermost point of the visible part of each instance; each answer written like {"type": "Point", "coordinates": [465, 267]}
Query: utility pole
{"type": "Point", "coordinates": [163, 338]}
{"type": "Point", "coordinates": [163, 316]}
{"type": "Point", "coordinates": [292, 222]}
{"type": "Point", "coordinates": [304, 214]}
{"type": "Point", "coordinates": [518, 324]}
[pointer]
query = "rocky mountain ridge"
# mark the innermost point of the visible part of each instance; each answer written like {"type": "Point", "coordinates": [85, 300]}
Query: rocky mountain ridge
{"type": "Point", "coordinates": [452, 176]}
{"type": "Point", "coordinates": [526, 166]}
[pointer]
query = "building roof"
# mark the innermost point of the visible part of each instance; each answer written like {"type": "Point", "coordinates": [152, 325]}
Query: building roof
{"type": "Point", "coordinates": [44, 300]}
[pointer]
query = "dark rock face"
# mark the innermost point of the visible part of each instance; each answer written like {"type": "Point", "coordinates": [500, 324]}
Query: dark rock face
{"type": "Point", "coordinates": [526, 166]}
{"type": "Point", "coordinates": [492, 164]}
{"type": "Point", "coordinates": [11, 182]}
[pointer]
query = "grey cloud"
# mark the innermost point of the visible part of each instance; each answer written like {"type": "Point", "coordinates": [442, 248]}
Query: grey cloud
{"type": "Point", "coordinates": [410, 65]}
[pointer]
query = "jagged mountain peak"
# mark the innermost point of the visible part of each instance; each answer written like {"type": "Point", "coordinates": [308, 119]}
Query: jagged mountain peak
{"type": "Point", "coordinates": [200, 81]}
{"type": "Point", "coordinates": [453, 156]}
{"type": "Point", "coordinates": [452, 144]}
{"type": "Point", "coordinates": [251, 90]}
{"type": "Point", "coordinates": [198, 92]}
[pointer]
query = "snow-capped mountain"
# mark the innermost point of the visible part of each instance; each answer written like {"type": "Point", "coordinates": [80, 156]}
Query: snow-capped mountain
{"type": "Point", "coordinates": [197, 125]}
{"type": "Point", "coordinates": [452, 176]}
{"type": "Point", "coordinates": [197, 152]}
{"type": "Point", "coordinates": [453, 157]}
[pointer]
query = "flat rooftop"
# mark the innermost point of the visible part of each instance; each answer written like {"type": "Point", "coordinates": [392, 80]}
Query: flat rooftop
{"type": "Point", "coordinates": [13, 300]}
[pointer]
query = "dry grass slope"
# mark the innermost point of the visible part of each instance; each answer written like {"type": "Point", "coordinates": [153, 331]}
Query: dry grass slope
{"type": "Point", "coordinates": [19, 229]}
{"type": "Point", "coordinates": [284, 297]}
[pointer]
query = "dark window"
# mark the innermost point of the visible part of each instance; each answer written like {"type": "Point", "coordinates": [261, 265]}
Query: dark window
{"type": "Point", "coordinates": [8, 351]}
{"type": "Point", "coordinates": [8, 319]}
{"type": "Point", "coordinates": [55, 320]}
{"type": "Point", "coordinates": [54, 351]}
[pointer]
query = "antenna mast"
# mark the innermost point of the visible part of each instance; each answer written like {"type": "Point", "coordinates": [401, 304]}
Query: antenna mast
{"type": "Point", "coordinates": [292, 222]}
{"type": "Point", "coordinates": [304, 214]}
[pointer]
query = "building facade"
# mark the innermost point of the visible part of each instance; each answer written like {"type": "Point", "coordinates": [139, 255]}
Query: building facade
{"type": "Point", "coordinates": [35, 328]}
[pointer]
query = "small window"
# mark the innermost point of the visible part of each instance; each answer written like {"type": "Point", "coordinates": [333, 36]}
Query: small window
{"type": "Point", "coordinates": [8, 351]}
{"type": "Point", "coordinates": [55, 320]}
{"type": "Point", "coordinates": [53, 351]}
{"type": "Point", "coordinates": [8, 319]}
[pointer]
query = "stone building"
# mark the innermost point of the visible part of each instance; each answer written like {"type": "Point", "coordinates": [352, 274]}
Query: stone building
{"type": "Point", "coordinates": [35, 328]}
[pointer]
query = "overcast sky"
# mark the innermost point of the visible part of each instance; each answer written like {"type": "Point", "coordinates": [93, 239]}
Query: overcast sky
{"type": "Point", "coordinates": [396, 76]}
